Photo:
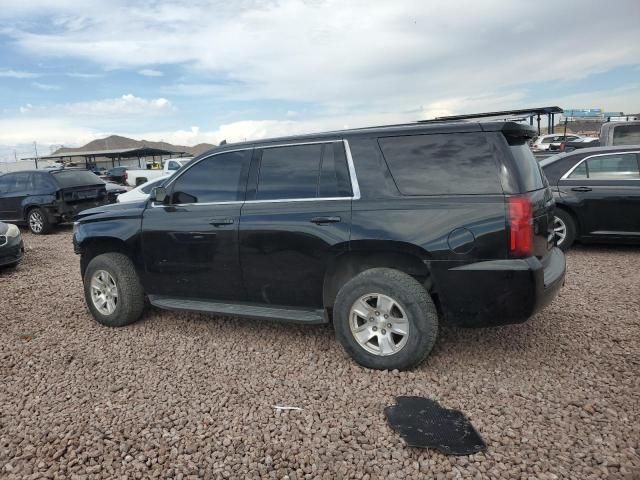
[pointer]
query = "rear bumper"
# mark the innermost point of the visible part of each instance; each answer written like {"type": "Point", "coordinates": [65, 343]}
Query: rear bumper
{"type": "Point", "coordinates": [66, 212]}
{"type": "Point", "coordinates": [12, 252]}
{"type": "Point", "coordinates": [499, 292]}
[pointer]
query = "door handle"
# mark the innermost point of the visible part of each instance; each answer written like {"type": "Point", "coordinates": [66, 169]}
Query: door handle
{"type": "Point", "coordinates": [324, 220]}
{"type": "Point", "coordinates": [581, 189]}
{"type": "Point", "coordinates": [217, 222]}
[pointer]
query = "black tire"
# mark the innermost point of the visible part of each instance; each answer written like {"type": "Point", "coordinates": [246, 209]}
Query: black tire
{"type": "Point", "coordinates": [38, 221]}
{"type": "Point", "coordinates": [565, 219]}
{"type": "Point", "coordinates": [410, 295]}
{"type": "Point", "coordinates": [130, 295]}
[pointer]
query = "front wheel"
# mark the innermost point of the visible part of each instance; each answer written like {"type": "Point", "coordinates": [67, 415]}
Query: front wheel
{"type": "Point", "coordinates": [112, 290]}
{"type": "Point", "coordinates": [385, 319]}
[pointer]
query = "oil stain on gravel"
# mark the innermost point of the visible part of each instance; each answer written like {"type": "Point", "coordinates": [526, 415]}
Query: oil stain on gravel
{"type": "Point", "coordinates": [189, 396]}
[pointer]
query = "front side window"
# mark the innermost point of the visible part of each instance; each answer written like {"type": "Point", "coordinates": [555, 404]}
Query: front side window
{"type": "Point", "coordinates": [289, 172]}
{"type": "Point", "coordinates": [619, 166]}
{"type": "Point", "coordinates": [219, 178]}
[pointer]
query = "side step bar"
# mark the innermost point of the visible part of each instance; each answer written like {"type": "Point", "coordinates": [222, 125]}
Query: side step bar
{"type": "Point", "coordinates": [296, 315]}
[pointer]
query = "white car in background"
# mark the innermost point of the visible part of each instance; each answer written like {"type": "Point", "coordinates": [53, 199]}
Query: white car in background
{"type": "Point", "coordinates": [141, 192]}
{"type": "Point", "coordinates": [135, 178]}
{"type": "Point", "coordinates": [543, 142]}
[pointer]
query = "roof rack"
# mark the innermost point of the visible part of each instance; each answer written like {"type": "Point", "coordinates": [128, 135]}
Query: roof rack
{"type": "Point", "coordinates": [529, 113]}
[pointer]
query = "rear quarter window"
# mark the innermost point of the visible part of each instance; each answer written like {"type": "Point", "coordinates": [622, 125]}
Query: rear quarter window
{"type": "Point", "coordinates": [75, 178]}
{"type": "Point", "coordinates": [441, 164]}
{"type": "Point", "coordinates": [529, 171]}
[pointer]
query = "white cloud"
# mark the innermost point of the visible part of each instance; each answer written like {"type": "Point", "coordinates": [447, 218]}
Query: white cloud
{"type": "Point", "coordinates": [395, 55]}
{"type": "Point", "coordinates": [17, 74]}
{"type": "Point", "coordinates": [45, 86]}
{"type": "Point", "coordinates": [83, 75]}
{"type": "Point", "coordinates": [127, 104]}
{"type": "Point", "coordinates": [26, 108]}
{"type": "Point", "coordinates": [149, 72]}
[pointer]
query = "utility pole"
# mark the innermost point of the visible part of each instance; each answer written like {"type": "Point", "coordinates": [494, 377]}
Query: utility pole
{"type": "Point", "coordinates": [15, 155]}
{"type": "Point", "coordinates": [35, 146]}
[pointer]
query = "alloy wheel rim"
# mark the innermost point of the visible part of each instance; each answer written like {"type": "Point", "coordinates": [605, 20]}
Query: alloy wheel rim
{"type": "Point", "coordinates": [104, 292]}
{"type": "Point", "coordinates": [560, 230]}
{"type": "Point", "coordinates": [36, 222]}
{"type": "Point", "coordinates": [379, 324]}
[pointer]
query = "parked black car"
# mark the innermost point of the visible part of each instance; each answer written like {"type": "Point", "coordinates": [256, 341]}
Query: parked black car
{"type": "Point", "coordinates": [597, 194]}
{"type": "Point", "coordinates": [43, 198]}
{"type": "Point", "coordinates": [117, 174]}
{"type": "Point", "coordinates": [385, 231]}
{"type": "Point", "coordinates": [11, 245]}
{"type": "Point", "coordinates": [113, 190]}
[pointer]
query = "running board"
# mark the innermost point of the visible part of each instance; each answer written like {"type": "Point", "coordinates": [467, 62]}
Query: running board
{"type": "Point", "coordinates": [297, 315]}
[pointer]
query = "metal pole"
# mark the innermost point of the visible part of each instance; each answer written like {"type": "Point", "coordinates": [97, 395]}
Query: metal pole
{"type": "Point", "coordinates": [35, 146]}
{"type": "Point", "coordinates": [538, 119]}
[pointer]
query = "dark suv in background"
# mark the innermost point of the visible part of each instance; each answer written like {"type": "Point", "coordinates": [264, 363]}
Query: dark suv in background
{"type": "Point", "coordinates": [384, 231]}
{"type": "Point", "coordinates": [43, 198]}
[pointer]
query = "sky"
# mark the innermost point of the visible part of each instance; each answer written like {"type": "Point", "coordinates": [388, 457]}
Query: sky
{"type": "Point", "coordinates": [192, 71]}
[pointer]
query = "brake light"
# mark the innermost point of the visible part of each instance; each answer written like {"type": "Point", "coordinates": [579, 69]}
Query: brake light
{"type": "Point", "coordinates": [520, 227]}
{"type": "Point", "coordinates": [562, 146]}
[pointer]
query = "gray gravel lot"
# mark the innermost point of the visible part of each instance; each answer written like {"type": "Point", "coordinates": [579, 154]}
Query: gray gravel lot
{"type": "Point", "coordinates": [189, 396]}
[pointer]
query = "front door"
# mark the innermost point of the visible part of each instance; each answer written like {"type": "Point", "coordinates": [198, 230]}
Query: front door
{"type": "Point", "coordinates": [297, 216]}
{"type": "Point", "coordinates": [604, 190]}
{"type": "Point", "coordinates": [190, 243]}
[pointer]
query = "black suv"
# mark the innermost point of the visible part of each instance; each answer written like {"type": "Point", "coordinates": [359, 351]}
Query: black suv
{"type": "Point", "coordinates": [384, 231]}
{"type": "Point", "coordinates": [43, 198]}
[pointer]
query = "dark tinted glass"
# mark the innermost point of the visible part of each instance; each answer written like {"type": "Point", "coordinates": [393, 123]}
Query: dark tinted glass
{"type": "Point", "coordinates": [75, 178]}
{"type": "Point", "coordinates": [441, 164]}
{"type": "Point", "coordinates": [334, 173]}
{"type": "Point", "coordinates": [626, 134]}
{"type": "Point", "coordinates": [220, 178]}
{"type": "Point", "coordinates": [151, 185]}
{"type": "Point", "coordinates": [289, 172]}
{"type": "Point", "coordinates": [527, 166]}
{"type": "Point", "coordinates": [7, 183]}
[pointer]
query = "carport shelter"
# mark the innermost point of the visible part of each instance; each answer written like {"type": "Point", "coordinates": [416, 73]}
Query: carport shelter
{"type": "Point", "coordinates": [114, 157]}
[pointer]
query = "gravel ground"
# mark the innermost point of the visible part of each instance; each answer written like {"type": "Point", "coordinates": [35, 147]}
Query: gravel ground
{"type": "Point", "coordinates": [189, 396]}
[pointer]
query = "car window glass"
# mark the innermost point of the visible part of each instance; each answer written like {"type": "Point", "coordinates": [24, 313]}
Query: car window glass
{"type": "Point", "coordinates": [443, 164]}
{"type": "Point", "coordinates": [6, 183]}
{"type": "Point", "coordinates": [289, 172]}
{"type": "Point", "coordinates": [334, 172]}
{"type": "Point", "coordinates": [580, 171]}
{"type": "Point", "coordinates": [620, 166]}
{"type": "Point", "coordinates": [173, 165]}
{"type": "Point", "coordinates": [219, 178]}
{"type": "Point", "coordinates": [151, 185]}
{"type": "Point", "coordinates": [626, 134]}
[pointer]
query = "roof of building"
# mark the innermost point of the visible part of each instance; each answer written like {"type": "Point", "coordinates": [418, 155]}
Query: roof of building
{"type": "Point", "coordinates": [114, 153]}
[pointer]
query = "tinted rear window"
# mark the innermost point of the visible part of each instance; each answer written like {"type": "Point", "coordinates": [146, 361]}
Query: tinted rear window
{"type": "Point", "coordinates": [441, 164]}
{"type": "Point", "coordinates": [75, 178]}
{"type": "Point", "coordinates": [527, 166]}
{"type": "Point", "coordinates": [626, 135]}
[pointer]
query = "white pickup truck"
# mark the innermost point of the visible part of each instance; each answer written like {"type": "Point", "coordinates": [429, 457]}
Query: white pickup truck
{"type": "Point", "coordinates": [138, 177]}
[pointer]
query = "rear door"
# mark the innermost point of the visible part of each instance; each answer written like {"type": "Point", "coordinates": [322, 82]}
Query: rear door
{"type": "Point", "coordinates": [297, 215]}
{"type": "Point", "coordinates": [604, 191]}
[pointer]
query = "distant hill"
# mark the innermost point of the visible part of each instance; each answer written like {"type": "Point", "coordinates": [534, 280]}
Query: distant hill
{"type": "Point", "coordinates": [116, 141]}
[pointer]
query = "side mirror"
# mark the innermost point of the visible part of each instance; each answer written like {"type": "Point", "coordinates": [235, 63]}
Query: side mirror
{"type": "Point", "coordinates": [159, 194]}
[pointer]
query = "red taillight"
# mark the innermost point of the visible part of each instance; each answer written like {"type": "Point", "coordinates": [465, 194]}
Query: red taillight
{"type": "Point", "coordinates": [562, 146]}
{"type": "Point", "coordinates": [520, 227]}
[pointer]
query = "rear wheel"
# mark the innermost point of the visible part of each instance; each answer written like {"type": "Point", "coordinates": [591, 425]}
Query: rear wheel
{"type": "Point", "coordinates": [385, 319]}
{"type": "Point", "coordinates": [38, 221]}
{"type": "Point", "coordinates": [564, 228]}
{"type": "Point", "coordinates": [112, 290]}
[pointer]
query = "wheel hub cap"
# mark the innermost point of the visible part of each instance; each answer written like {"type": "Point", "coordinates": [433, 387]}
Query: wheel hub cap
{"type": "Point", "coordinates": [560, 230]}
{"type": "Point", "coordinates": [379, 324]}
{"type": "Point", "coordinates": [36, 222]}
{"type": "Point", "coordinates": [104, 292]}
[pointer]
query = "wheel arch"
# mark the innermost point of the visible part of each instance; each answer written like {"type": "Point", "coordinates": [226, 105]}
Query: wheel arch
{"type": "Point", "coordinates": [363, 256]}
{"type": "Point", "coordinates": [94, 246]}
{"type": "Point", "coordinates": [574, 216]}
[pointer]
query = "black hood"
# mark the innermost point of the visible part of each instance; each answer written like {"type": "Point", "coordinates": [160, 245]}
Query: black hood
{"type": "Point", "coordinates": [114, 210]}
